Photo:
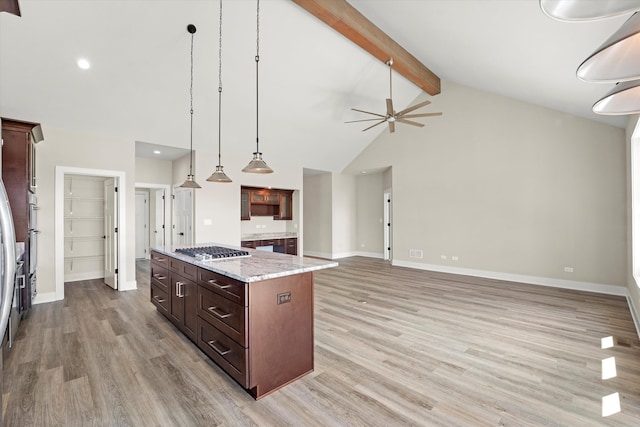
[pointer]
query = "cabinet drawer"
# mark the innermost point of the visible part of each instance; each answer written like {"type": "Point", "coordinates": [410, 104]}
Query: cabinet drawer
{"type": "Point", "coordinates": [272, 242]}
{"type": "Point", "coordinates": [160, 277]}
{"type": "Point", "coordinates": [234, 290]}
{"type": "Point", "coordinates": [160, 299]}
{"type": "Point", "coordinates": [224, 314]}
{"type": "Point", "coordinates": [159, 259]}
{"type": "Point", "coordinates": [248, 244]}
{"type": "Point", "coordinates": [228, 354]}
{"type": "Point", "coordinates": [183, 268]}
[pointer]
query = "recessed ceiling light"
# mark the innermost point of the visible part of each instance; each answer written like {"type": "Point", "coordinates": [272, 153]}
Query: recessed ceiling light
{"type": "Point", "coordinates": [156, 152]}
{"type": "Point", "coordinates": [83, 63]}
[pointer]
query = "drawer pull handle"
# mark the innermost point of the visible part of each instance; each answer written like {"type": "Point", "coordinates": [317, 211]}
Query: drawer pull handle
{"type": "Point", "coordinates": [219, 314]}
{"type": "Point", "coordinates": [159, 276]}
{"type": "Point", "coordinates": [217, 349]}
{"type": "Point", "coordinates": [159, 259]}
{"type": "Point", "coordinates": [180, 289]}
{"type": "Point", "coordinates": [157, 298]}
{"type": "Point", "coordinates": [218, 285]}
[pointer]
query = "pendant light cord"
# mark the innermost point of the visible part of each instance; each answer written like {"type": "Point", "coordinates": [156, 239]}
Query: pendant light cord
{"type": "Point", "coordinates": [257, 60]}
{"type": "Point", "coordinates": [191, 110]}
{"type": "Point", "coordinates": [220, 89]}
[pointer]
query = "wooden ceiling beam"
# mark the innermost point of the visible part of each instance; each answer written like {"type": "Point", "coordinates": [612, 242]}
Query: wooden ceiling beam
{"type": "Point", "coordinates": [345, 19]}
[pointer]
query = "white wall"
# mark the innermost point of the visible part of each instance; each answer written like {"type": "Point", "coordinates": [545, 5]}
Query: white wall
{"type": "Point", "coordinates": [155, 171]}
{"type": "Point", "coordinates": [80, 150]}
{"type": "Point", "coordinates": [343, 222]}
{"type": "Point", "coordinates": [317, 206]}
{"type": "Point", "coordinates": [507, 187]}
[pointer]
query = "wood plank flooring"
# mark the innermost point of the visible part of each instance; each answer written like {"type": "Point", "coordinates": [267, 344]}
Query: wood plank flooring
{"type": "Point", "coordinates": [394, 347]}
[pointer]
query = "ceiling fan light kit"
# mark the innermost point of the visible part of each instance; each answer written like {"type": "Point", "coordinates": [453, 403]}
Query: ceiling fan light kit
{"type": "Point", "coordinates": [219, 175]}
{"type": "Point", "coordinates": [391, 117]}
{"type": "Point", "coordinates": [617, 60]}
{"type": "Point", "coordinates": [190, 181]}
{"type": "Point", "coordinates": [257, 165]}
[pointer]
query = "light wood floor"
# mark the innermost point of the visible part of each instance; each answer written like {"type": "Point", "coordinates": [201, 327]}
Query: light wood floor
{"type": "Point", "coordinates": [394, 346]}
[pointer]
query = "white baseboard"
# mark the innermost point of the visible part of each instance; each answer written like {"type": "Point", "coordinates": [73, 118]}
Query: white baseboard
{"type": "Point", "coordinates": [635, 314]}
{"type": "Point", "coordinates": [323, 255]}
{"type": "Point", "coordinates": [371, 254]}
{"type": "Point", "coordinates": [532, 280]}
{"type": "Point", "coordinates": [44, 298]}
{"type": "Point", "coordinates": [128, 286]}
{"type": "Point", "coordinates": [344, 255]}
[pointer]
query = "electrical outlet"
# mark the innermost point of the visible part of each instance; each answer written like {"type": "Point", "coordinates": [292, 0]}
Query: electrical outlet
{"type": "Point", "coordinates": [415, 253]}
{"type": "Point", "coordinates": [443, 257]}
{"type": "Point", "coordinates": [568, 269]}
{"type": "Point", "coordinates": [454, 258]}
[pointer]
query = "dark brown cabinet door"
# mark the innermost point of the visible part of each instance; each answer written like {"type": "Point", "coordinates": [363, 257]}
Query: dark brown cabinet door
{"type": "Point", "coordinates": [245, 211]}
{"type": "Point", "coordinates": [286, 209]}
{"type": "Point", "coordinates": [190, 301]}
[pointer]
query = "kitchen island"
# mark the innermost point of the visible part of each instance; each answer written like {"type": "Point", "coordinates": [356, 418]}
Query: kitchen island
{"type": "Point", "coordinates": [251, 313]}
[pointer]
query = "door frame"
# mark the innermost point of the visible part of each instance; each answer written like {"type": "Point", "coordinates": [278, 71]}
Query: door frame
{"type": "Point", "coordinates": [147, 218]}
{"type": "Point", "coordinates": [123, 266]}
{"type": "Point", "coordinates": [168, 205]}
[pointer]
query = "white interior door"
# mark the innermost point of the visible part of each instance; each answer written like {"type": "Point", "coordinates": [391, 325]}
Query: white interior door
{"type": "Point", "coordinates": [142, 224]}
{"type": "Point", "coordinates": [182, 216]}
{"type": "Point", "coordinates": [387, 225]}
{"type": "Point", "coordinates": [160, 220]}
{"type": "Point", "coordinates": [110, 233]}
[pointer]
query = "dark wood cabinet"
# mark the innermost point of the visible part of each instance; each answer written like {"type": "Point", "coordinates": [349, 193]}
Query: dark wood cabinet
{"type": "Point", "coordinates": [259, 333]}
{"type": "Point", "coordinates": [19, 176]}
{"type": "Point", "coordinates": [174, 291]}
{"type": "Point", "coordinates": [266, 202]}
{"type": "Point", "coordinates": [291, 246]}
{"type": "Point", "coordinates": [245, 206]}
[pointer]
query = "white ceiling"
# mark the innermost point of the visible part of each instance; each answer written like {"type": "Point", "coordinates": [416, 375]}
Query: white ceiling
{"type": "Point", "coordinates": [310, 76]}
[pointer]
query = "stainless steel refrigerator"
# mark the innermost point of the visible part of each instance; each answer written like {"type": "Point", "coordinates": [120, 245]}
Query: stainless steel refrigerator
{"type": "Point", "coordinates": [7, 267]}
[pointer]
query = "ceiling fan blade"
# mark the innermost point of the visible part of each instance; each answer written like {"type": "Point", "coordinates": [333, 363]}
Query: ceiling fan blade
{"type": "Point", "coordinates": [368, 112]}
{"type": "Point", "coordinates": [10, 6]}
{"type": "Point", "coordinates": [392, 127]}
{"type": "Point", "coordinates": [379, 123]}
{"type": "Point", "coordinates": [363, 120]}
{"type": "Point", "coordinates": [409, 116]}
{"type": "Point", "coordinates": [389, 107]}
{"type": "Point", "coordinates": [410, 122]}
{"type": "Point", "coordinates": [414, 107]}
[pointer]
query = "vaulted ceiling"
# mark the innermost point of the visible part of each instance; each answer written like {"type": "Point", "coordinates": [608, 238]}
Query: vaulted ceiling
{"type": "Point", "coordinates": [310, 76]}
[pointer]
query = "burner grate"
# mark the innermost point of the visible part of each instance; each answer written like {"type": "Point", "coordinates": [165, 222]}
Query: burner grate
{"type": "Point", "coordinates": [205, 253]}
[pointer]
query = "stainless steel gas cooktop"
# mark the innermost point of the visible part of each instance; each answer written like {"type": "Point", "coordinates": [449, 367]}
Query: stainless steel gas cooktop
{"type": "Point", "coordinates": [206, 253]}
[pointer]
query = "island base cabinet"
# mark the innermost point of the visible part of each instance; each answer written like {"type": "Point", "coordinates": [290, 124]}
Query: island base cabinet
{"type": "Point", "coordinates": [280, 332]}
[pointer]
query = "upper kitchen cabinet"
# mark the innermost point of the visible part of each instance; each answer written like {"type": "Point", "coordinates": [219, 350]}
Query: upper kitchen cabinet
{"type": "Point", "coordinates": [19, 169]}
{"type": "Point", "coordinates": [266, 202]}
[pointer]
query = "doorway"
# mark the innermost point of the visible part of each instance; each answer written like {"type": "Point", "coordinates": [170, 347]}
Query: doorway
{"type": "Point", "coordinates": [182, 216]}
{"type": "Point", "coordinates": [142, 224]}
{"type": "Point", "coordinates": [117, 248]}
{"type": "Point", "coordinates": [387, 225]}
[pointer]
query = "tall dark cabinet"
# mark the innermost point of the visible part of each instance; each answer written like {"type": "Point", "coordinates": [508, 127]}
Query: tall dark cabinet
{"type": "Point", "coordinates": [18, 173]}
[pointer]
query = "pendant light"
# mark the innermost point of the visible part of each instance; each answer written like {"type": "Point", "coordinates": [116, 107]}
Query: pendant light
{"type": "Point", "coordinates": [191, 182]}
{"type": "Point", "coordinates": [257, 165]}
{"type": "Point", "coordinates": [623, 99]}
{"type": "Point", "coordinates": [219, 175]}
{"type": "Point", "coordinates": [618, 59]}
{"type": "Point", "coordinates": [587, 10]}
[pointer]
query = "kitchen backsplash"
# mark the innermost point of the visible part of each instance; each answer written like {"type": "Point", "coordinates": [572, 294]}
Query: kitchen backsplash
{"type": "Point", "coordinates": [262, 224]}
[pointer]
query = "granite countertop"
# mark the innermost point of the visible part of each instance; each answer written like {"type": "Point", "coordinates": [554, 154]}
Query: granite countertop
{"type": "Point", "coordinates": [260, 265]}
{"type": "Point", "coordinates": [264, 236]}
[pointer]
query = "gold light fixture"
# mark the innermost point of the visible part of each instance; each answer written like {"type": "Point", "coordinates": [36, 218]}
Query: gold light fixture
{"type": "Point", "coordinates": [190, 181]}
{"type": "Point", "coordinates": [219, 175]}
{"type": "Point", "coordinates": [257, 165]}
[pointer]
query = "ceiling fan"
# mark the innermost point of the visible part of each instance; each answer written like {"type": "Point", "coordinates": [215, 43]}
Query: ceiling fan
{"type": "Point", "coordinates": [391, 116]}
